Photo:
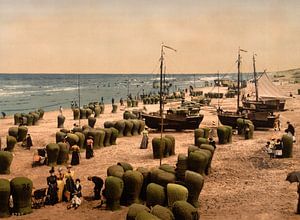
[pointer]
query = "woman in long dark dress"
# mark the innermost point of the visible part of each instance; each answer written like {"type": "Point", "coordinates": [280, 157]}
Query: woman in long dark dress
{"type": "Point", "coordinates": [52, 197]}
{"type": "Point", "coordinates": [75, 155]}
{"type": "Point", "coordinates": [89, 152]}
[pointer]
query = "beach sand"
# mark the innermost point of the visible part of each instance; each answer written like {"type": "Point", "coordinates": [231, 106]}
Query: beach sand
{"type": "Point", "coordinates": [244, 183]}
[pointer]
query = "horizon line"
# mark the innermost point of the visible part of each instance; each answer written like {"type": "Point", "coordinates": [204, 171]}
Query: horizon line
{"type": "Point", "coordinates": [175, 73]}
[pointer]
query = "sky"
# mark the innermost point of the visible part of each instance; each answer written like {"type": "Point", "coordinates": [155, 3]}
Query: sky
{"type": "Point", "coordinates": [125, 36]}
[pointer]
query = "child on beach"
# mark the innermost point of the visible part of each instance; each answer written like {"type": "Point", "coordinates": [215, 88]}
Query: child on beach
{"type": "Point", "coordinates": [76, 201]}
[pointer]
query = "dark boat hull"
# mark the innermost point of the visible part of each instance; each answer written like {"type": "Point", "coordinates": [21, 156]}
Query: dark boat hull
{"type": "Point", "coordinates": [181, 123]}
{"type": "Point", "coordinates": [229, 118]}
{"type": "Point", "coordinates": [268, 105]}
{"type": "Point", "coordinates": [259, 119]}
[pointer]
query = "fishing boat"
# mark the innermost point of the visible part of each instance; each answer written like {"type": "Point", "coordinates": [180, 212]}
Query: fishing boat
{"type": "Point", "coordinates": [181, 119]}
{"type": "Point", "coordinates": [261, 118]}
{"type": "Point", "coordinates": [177, 119]}
{"type": "Point", "coordinates": [267, 97]}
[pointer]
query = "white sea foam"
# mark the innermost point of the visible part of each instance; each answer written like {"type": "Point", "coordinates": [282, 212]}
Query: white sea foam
{"type": "Point", "coordinates": [207, 78]}
{"type": "Point", "coordinates": [16, 86]}
{"type": "Point", "coordinates": [60, 89]}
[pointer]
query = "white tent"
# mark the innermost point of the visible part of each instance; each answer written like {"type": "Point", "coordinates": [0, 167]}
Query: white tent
{"type": "Point", "coordinates": [266, 89]}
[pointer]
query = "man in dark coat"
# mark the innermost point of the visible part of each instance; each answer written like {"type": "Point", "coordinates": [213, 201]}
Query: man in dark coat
{"type": "Point", "coordinates": [290, 129]}
{"type": "Point", "coordinates": [28, 142]}
{"type": "Point", "coordinates": [98, 186]}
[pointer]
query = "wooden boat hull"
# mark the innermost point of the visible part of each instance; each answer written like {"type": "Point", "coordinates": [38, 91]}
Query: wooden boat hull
{"type": "Point", "coordinates": [259, 119]}
{"type": "Point", "coordinates": [262, 119]}
{"type": "Point", "coordinates": [189, 122]}
{"type": "Point", "coordinates": [229, 118]}
{"type": "Point", "coordinates": [268, 105]}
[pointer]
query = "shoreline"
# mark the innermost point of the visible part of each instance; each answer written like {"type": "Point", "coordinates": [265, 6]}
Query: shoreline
{"type": "Point", "coordinates": [243, 178]}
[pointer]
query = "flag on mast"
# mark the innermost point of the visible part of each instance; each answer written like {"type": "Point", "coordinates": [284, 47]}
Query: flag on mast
{"type": "Point", "coordinates": [170, 48]}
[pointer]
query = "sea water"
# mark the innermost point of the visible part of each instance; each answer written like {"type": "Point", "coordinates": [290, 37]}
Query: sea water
{"type": "Point", "coordinates": [28, 92]}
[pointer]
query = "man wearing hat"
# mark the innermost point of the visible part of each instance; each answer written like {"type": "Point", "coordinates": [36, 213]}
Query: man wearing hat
{"type": "Point", "coordinates": [52, 198]}
{"type": "Point", "coordinates": [291, 130]}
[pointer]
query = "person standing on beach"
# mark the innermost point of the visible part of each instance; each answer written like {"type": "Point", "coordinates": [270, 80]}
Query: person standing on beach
{"type": "Point", "coordinates": [291, 130]}
{"type": "Point", "coordinates": [98, 184]}
{"type": "Point", "coordinates": [69, 184]}
{"type": "Point", "coordinates": [89, 152]}
{"type": "Point", "coordinates": [144, 143]}
{"type": "Point", "coordinates": [52, 197]}
{"type": "Point", "coordinates": [60, 110]}
{"type": "Point", "coordinates": [28, 142]}
{"type": "Point", "coordinates": [112, 101]}
{"type": "Point", "coordinates": [60, 184]}
{"type": "Point", "coordinates": [75, 155]}
{"type": "Point", "coordinates": [102, 102]}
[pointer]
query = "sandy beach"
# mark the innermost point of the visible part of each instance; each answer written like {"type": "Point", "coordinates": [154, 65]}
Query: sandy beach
{"type": "Point", "coordinates": [244, 183]}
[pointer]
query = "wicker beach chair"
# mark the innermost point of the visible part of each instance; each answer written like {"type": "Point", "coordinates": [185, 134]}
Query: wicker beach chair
{"type": "Point", "coordinates": [38, 198]}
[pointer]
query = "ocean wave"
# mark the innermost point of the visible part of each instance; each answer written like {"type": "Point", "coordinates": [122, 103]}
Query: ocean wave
{"type": "Point", "coordinates": [17, 86]}
{"type": "Point", "coordinates": [12, 93]}
{"type": "Point", "coordinates": [208, 78]}
{"type": "Point", "coordinates": [61, 89]}
{"type": "Point", "coordinates": [167, 78]}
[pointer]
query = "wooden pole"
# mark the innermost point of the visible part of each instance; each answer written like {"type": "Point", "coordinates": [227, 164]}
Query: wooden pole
{"type": "Point", "coordinates": [238, 83]}
{"type": "Point", "coordinates": [78, 86]}
{"type": "Point", "coordinates": [161, 101]}
{"type": "Point", "coordinates": [255, 78]}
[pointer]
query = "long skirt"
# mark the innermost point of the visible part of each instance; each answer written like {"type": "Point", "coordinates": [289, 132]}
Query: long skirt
{"type": "Point", "coordinates": [89, 153]}
{"type": "Point", "coordinates": [60, 187]}
{"type": "Point", "coordinates": [75, 158]}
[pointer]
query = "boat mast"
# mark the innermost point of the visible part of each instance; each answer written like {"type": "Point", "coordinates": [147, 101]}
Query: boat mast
{"type": "Point", "coordinates": [161, 79]}
{"type": "Point", "coordinates": [78, 86]}
{"type": "Point", "coordinates": [239, 61]}
{"type": "Point", "coordinates": [218, 95]}
{"type": "Point", "coordinates": [161, 100]}
{"type": "Point", "coordinates": [161, 105]}
{"type": "Point", "coordinates": [238, 83]}
{"type": "Point", "coordinates": [255, 78]}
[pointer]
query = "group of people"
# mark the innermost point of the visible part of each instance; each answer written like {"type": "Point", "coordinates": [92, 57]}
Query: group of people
{"type": "Point", "coordinates": [275, 146]}
{"type": "Point", "coordinates": [89, 151]}
{"type": "Point", "coordinates": [63, 187]}
{"type": "Point", "coordinates": [40, 155]}
{"type": "Point", "coordinates": [74, 105]}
